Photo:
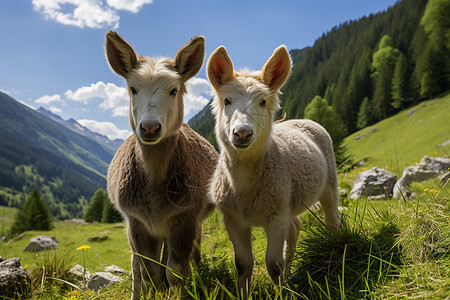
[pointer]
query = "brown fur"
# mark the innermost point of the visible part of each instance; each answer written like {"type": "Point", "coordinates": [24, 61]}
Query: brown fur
{"type": "Point", "coordinates": [160, 187]}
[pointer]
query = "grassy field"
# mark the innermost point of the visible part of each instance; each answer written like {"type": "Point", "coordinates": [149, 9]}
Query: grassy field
{"type": "Point", "coordinates": [402, 140]}
{"type": "Point", "coordinates": [391, 249]}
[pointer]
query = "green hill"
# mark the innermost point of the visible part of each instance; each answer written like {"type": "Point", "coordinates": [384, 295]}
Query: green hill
{"type": "Point", "coordinates": [406, 137]}
{"type": "Point", "coordinates": [37, 152]}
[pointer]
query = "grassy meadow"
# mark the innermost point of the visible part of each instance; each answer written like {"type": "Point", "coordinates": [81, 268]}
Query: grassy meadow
{"type": "Point", "coordinates": [403, 139]}
{"type": "Point", "coordinates": [391, 249]}
{"type": "Point", "coordinates": [386, 249]}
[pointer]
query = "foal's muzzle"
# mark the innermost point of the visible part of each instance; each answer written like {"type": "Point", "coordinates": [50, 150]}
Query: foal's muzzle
{"type": "Point", "coordinates": [150, 132]}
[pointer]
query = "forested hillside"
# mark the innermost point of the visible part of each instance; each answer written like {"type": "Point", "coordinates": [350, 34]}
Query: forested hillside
{"type": "Point", "coordinates": [369, 69]}
{"type": "Point", "coordinates": [37, 152]}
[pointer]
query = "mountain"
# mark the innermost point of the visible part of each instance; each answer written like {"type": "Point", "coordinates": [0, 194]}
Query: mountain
{"type": "Point", "coordinates": [109, 145]}
{"type": "Point", "coordinates": [367, 69]}
{"type": "Point", "coordinates": [37, 151]}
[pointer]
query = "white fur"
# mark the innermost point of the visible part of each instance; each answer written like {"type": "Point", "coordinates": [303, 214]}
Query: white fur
{"type": "Point", "coordinates": [283, 169]}
{"type": "Point", "coordinates": [153, 102]}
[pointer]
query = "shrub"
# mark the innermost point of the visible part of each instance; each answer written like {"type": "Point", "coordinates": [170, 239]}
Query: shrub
{"type": "Point", "coordinates": [33, 215]}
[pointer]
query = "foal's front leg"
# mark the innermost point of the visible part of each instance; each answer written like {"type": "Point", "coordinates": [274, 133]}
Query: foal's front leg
{"type": "Point", "coordinates": [291, 245]}
{"type": "Point", "coordinates": [182, 234]}
{"type": "Point", "coordinates": [143, 246]}
{"type": "Point", "coordinates": [277, 232]}
{"type": "Point", "coordinates": [241, 237]}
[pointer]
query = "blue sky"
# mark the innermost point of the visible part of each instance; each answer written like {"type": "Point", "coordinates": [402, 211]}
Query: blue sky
{"type": "Point", "coordinates": [51, 51]}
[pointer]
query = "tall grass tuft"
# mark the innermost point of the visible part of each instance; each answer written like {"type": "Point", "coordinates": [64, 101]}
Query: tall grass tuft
{"type": "Point", "coordinates": [49, 265]}
{"type": "Point", "coordinates": [346, 265]}
{"type": "Point", "coordinates": [212, 276]}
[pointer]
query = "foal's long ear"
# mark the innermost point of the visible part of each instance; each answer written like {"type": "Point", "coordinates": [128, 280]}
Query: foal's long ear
{"type": "Point", "coordinates": [220, 68]}
{"type": "Point", "coordinates": [189, 58]}
{"type": "Point", "coordinates": [121, 56]}
{"type": "Point", "coordinates": [277, 69]}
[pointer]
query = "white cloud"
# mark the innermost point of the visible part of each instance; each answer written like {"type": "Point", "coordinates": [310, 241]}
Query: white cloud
{"type": "Point", "coordinates": [114, 98]}
{"type": "Point", "coordinates": [55, 110]}
{"type": "Point", "coordinates": [106, 128]}
{"type": "Point", "coordinates": [198, 95]}
{"type": "Point", "coordinates": [130, 5]}
{"type": "Point", "coordinates": [80, 13]}
{"type": "Point", "coordinates": [87, 13]}
{"type": "Point", "coordinates": [47, 99]}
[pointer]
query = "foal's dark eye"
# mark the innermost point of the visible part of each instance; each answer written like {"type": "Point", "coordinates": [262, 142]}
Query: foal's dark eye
{"type": "Point", "coordinates": [226, 101]}
{"type": "Point", "coordinates": [173, 92]}
{"type": "Point", "coordinates": [262, 103]}
{"type": "Point", "coordinates": [133, 90]}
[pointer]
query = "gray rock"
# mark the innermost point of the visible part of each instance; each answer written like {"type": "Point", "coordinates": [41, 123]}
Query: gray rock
{"type": "Point", "coordinates": [435, 164]}
{"type": "Point", "coordinates": [80, 273]}
{"type": "Point", "coordinates": [102, 279]}
{"type": "Point", "coordinates": [77, 221]}
{"type": "Point", "coordinates": [375, 183]}
{"type": "Point", "coordinates": [14, 280]}
{"type": "Point", "coordinates": [98, 238]}
{"type": "Point", "coordinates": [444, 143]}
{"type": "Point", "coordinates": [428, 168]}
{"type": "Point", "coordinates": [41, 242]}
{"type": "Point", "coordinates": [373, 130]}
{"type": "Point", "coordinates": [342, 193]}
{"type": "Point", "coordinates": [342, 209]}
{"type": "Point", "coordinates": [114, 269]}
{"type": "Point", "coordinates": [411, 111]}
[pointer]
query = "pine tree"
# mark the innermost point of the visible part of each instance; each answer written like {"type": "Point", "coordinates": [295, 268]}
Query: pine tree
{"type": "Point", "coordinates": [39, 216]}
{"type": "Point", "coordinates": [33, 215]}
{"type": "Point", "coordinates": [426, 86]}
{"type": "Point", "coordinates": [110, 214]}
{"type": "Point", "coordinates": [365, 114]}
{"type": "Point", "coordinates": [436, 23]}
{"type": "Point", "coordinates": [383, 63]}
{"type": "Point", "coordinates": [400, 81]}
{"type": "Point", "coordinates": [94, 211]}
{"type": "Point", "coordinates": [359, 87]}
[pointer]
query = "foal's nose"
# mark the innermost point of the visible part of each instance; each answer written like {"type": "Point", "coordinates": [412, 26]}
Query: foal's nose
{"type": "Point", "coordinates": [150, 130]}
{"type": "Point", "coordinates": [243, 133]}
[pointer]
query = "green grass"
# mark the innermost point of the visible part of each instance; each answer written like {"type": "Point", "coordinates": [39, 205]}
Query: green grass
{"type": "Point", "coordinates": [114, 250]}
{"type": "Point", "coordinates": [404, 137]}
{"type": "Point", "coordinates": [391, 249]}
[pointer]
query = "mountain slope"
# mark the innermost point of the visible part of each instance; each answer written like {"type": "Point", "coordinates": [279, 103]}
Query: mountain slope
{"type": "Point", "coordinates": [32, 127]}
{"type": "Point", "coordinates": [405, 137]}
{"type": "Point", "coordinates": [39, 152]}
{"type": "Point", "coordinates": [108, 145]}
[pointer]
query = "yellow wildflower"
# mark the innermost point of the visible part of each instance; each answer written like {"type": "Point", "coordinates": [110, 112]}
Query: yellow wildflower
{"type": "Point", "coordinates": [83, 247]}
{"type": "Point", "coordinates": [73, 295]}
